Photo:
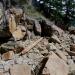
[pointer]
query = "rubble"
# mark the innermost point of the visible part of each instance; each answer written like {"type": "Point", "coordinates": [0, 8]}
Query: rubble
{"type": "Point", "coordinates": [33, 45]}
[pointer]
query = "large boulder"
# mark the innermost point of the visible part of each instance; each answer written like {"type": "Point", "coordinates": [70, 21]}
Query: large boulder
{"type": "Point", "coordinates": [33, 25]}
{"type": "Point", "coordinates": [18, 34]}
{"type": "Point", "coordinates": [55, 66]}
{"type": "Point", "coordinates": [21, 69]}
{"type": "Point", "coordinates": [46, 29]}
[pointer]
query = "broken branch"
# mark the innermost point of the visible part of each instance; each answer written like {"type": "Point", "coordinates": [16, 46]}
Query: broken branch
{"type": "Point", "coordinates": [31, 46]}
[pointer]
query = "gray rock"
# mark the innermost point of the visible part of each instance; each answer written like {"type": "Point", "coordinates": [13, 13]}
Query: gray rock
{"type": "Point", "coordinates": [72, 68]}
{"type": "Point", "coordinates": [70, 61]}
{"type": "Point", "coordinates": [51, 47]}
{"type": "Point", "coordinates": [37, 28]}
{"type": "Point", "coordinates": [73, 57]}
{"type": "Point", "coordinates": [68, 57]}
{"type": "Point", "coordinates": [55, 39]}
{"type": "Point", "coordinates": [8, 64]}
{"type": "Point", "coordinates": [1, 66]}
{"type": "Point", "coordinates": [6, 67]}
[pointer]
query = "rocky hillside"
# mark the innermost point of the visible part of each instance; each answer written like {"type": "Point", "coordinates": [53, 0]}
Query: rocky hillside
{"type": "Point", "coordinates": [29, 46]}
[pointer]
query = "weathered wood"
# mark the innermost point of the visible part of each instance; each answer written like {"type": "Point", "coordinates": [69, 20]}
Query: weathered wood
{"type": "Point", "coordinates": [31, 46]}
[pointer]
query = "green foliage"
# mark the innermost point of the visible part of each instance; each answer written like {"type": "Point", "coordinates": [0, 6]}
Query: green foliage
{"type": "Point", "coordinates": [32, 12]}
{"type": "Point", "coordinates": [23, 1]}
{"type": "Point", "coordinates": [60, 10]}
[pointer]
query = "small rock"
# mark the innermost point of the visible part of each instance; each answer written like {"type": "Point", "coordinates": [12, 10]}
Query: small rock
{"type": "Point", "coordinates": [22, 28]}
{"type": "Point", "coordinates": [55, 39]}
{"type": "Point", "coordinates": [8, 55]}
{"type": "Point", "coordinates": [51, 47]}
{"type": "Point", "coordinates": [21, 69]}
{"type": "Point", "coordinates": [72, 47]}
{"type": "Point", "coordinates": [44, 52]}
{"type": "Point", "coordinates": [68, 57]}
{"type": "Point", "coordinates": [73, 57]}
{"type": "Point", "coordinates": [70, 61]}
{"type": "Point", "coordinates": [1, 66]}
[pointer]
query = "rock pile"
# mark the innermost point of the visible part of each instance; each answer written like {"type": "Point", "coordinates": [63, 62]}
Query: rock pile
{"type": "Point", "coordinates": [35, 47]}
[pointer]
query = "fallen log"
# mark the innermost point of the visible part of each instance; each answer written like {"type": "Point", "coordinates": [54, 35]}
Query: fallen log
{"type": "Point", "coordinates": [31, 46]}
{"type": "Point", "coordinates": [70, 53]}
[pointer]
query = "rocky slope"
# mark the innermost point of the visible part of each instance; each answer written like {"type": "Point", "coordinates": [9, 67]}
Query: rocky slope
{"type": "Point", "coordinates": [35, 47]}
